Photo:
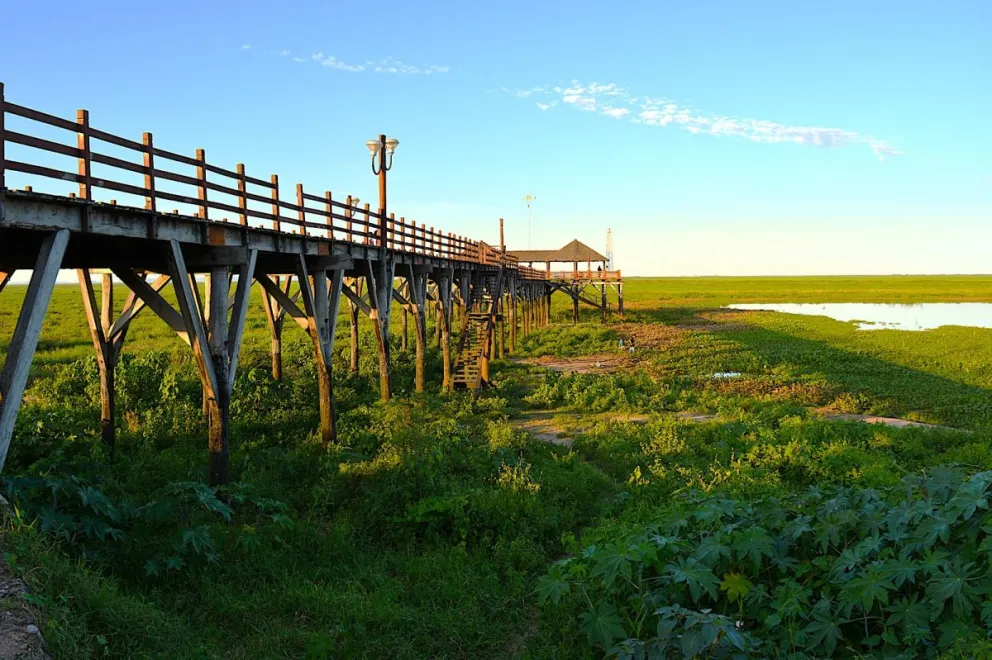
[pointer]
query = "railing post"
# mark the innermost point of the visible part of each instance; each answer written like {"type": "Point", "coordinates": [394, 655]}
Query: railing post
{"type": "Point", "coordinates": [242, 195]}
{"type": "Point", "coordinates": [83, 144]}
{"type": "Point", "coordinates": [368, 224]}
{"type": "Point", "coordinates": [330, 215]}
{"type": "Point", "coordinates": [347, 223]}
{"type": "Point", "coordinates": [391, 238]}
{"type": "Point", "coordinates": [301, 213]}
{"type": "Point", "coordinates": [276, 224]}
{"type": "Point", "coordinates": [149, 163]}
{"type": "Point", "coordinates": [201, 175]}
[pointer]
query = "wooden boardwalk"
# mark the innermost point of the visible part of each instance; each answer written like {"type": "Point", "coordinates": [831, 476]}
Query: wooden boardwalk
{"type": "Point", "coordinates": [307, 253]}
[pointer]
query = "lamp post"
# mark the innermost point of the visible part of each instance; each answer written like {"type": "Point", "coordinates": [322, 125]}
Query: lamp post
{"type": "Point", "coordinates": [528, 198]}
{"type": "Point", "coordinates": [382, 150]}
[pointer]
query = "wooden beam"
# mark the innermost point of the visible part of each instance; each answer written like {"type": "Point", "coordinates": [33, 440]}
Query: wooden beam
{"type": "Point", "coordinates": [380, 287]}
{"type": "Point", "coordinates": [353, 310]}
{"type": "Point", "coordinates": [154, 300]}
{"type": "Point", "coordinates": [14, 377]}
{"type": "Point", "coordinates": [132, 307]}
{"type": "Point", "coordinates": [218, 402]}
{"type": "Point", "coordinates": [317, 295]}
{"type": "Point", "coordinates": [287, 303]}
{"type": "Point", "coordinates": [5, 278]}
{"type": "Point", "coordinates": [274, 316]}
{"type": "Point", "coordinates": [106, 356]}
{"type": "Point", "coordinates": [334, 300]}
{"type": "Point", "coordinates": [239, 313]}
{"type": "Point", "coordinates": [445, 283]}
{"type": "Point", "coordinates": [357, 301]}
{"type": "Point", "coordinates": [192, 320]}
{"type": "Point", "coordinates": [417, 289]}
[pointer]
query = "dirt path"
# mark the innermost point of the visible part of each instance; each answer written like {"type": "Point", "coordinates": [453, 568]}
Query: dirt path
{"type": "Point", "coordinates": [560, 428]}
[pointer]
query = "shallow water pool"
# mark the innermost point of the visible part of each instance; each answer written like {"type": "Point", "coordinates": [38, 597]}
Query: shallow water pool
{"type": "Point", "coordinates": [877, 316]}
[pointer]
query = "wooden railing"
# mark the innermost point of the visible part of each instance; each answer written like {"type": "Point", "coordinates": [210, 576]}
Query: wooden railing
{"type": "Point", "coordinates": [597, 275]}
{"type": "Point", "coordinates": [213, 190]}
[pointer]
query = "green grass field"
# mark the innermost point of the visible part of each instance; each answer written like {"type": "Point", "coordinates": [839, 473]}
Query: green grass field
{"type": "Point", "coordinates": [438, 529]}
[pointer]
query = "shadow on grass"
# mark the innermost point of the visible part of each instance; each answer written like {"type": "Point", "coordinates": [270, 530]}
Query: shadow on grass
{"type": "Point", "coordinates": [901, 389]}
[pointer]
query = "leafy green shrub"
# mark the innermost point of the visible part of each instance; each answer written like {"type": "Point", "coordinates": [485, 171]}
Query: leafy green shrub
{"type": "Point", "coordinates": [168, 533]}
{"type": "Point", "coordinates": [833, 571]}
{"type": "Point", "coordinates": [140, 380]}
{"type": "Point", "coordinates": [75, 379]}
{"type": "Point", "coordinates": [598, 393]}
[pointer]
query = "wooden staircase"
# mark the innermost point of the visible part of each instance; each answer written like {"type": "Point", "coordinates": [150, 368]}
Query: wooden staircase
{"type": "Point", "coordinates": [476, 340]}
{"type": "Point", "coordinates": [467, 373]}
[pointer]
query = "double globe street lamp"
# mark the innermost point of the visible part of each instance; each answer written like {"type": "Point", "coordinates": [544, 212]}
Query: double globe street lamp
{"type": "Point", "coordinates": [381, 151]}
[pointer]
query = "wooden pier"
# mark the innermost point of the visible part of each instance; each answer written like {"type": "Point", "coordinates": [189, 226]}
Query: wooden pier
{"type": "Point", "coordinates": [307, 254]}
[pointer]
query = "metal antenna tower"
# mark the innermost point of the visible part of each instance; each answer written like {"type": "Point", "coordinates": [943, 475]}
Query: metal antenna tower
{"type": "Point", "coordinates": [609, 249]}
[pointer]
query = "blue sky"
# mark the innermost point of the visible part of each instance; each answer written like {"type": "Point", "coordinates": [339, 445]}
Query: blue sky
{"type": "Point", "coordinates": [713, 137]}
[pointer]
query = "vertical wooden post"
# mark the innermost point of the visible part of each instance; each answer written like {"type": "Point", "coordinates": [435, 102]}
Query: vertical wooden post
{"type": "Point", "coordinates": [149, 163]}
{"type": "Point", "coordinates": [575, 304]}
{"type": "Point", "coordinates": [329, 208]}
{"type": "Point", "coordinates": [301, 213]}
{"type": "Point", "coordinates": [242, 195]}
{"type": "Point", "coordinates": [438, 311]}
{"type": "Point", "coordinates": [379, 276]}
{"type": "Point", "coordinates": [317, 304]}
{"type": "Point", "coordinates": [620, 299]}
{"type": "Point", "coordinates": [502, 326]}
{"type": "Point", "coordinates": [201, 175]}
{"type": "Point", "coordinates": [444, 284]}
{"type": "Point", "coordinates": [347, 223]}
{"type": "Point", "coordinates": [602, 299]}
{"type": "Point", "coordinates": [105, 355]}
{"type": "Point", "coordinates": [404, 336]}
{"type": "Point", "coordinates": [513, 314]}
{"type": "Point", "coordinates": [417, 291]}
{"type": "Point", "coordinates": [275, 316]}
{"type": "Point", "coordinates": [219, 404]}
{"type": "Point", "coordinates": [83, 144]}
{"type": "Point", "coordinates": [525, 309]}
{"type": "Point", "coordinates": [14, 376]}
{"type": "Point", "coordinates": [276, 224]}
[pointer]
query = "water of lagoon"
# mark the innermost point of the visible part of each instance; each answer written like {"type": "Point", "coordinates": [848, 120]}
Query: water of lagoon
{"type": "Point", "coordinates": [876, 316]}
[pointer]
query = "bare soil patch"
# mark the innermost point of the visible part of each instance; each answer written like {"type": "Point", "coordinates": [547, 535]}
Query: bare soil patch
{"type": "Point", "coordinates": [894, 422]}
{"type": "Point", "coordinates": [587, 364]}
{"type": "Point", "coordinates": [541, 425]}
{"type": "Point", "coordinates": [20, 636]}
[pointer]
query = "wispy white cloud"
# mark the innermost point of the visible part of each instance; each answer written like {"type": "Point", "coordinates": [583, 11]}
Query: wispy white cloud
{"type": "Point", "coordinates": [334, 63]}
{"type": "Point", "coordinates": [613, 101]}
{"type": "Point", "coordinates": [386, 65]}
